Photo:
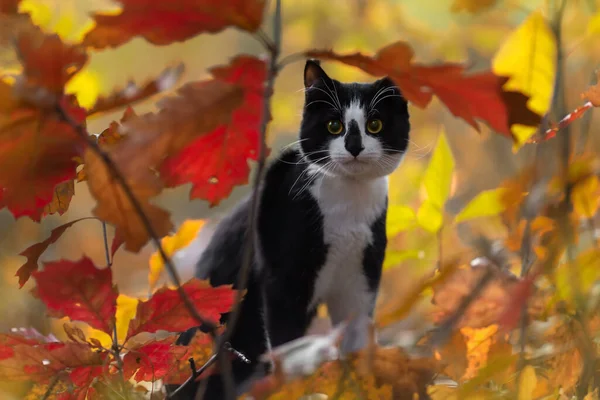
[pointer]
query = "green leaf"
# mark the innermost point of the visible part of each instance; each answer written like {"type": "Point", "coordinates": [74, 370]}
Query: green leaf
{"type": "Point", "coordinates": [485, 204]}
{"type": "Point", "coordinates": [438, 175]}
{"type": "Point", "coordinates": [430, 216]}
{"type": "Point", "coordinates": [399, 218]}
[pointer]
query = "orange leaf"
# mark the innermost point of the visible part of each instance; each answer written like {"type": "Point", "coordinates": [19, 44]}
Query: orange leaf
{"type": "Point", "coordinates": [592, 94]}
{"type": "Point", "coordinates": [165, 22]}
{"type": "Point", "coordinates": [468, 97]}
{"type": "Point", "coordinates": [217, 161]}
{"type": "Point", "coordinates": [153, 360]}
{"type": "Point", "coordinates": [9, 6]}
{"type": "Point", "coordinates": [34, 252]}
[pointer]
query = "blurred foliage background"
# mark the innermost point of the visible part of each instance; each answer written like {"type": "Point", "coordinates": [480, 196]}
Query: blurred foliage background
{"type": "Point", "coordinates": [438, 30]}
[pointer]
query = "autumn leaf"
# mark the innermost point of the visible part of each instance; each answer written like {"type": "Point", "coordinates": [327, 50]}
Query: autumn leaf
{"type": "Point", "coordinates": [468, 97]}
{"type": "Point", "coordinates": [527, 383]}
{"type": "Point", "coordinates": [399, 219]}
{"type": "Point", "coordinates": [49, 64]}
{"type": "Point", "coordinates": [153, 360]}
{"type": "Point", "coordinates": [9, 6]}
{"type": "Point", "coordinates": [34, 252]}
{"type": "Point", "coordinates": [170, 244]}
{"type": "Point", "coordinates": [126, 309]}
{"type": "Point", "coordinates": [217, 161]}
{"type": "Point", "coordinates": [79, 291]}
{"type": "Point", "coordinates": [37, 156]}
{"type": "Point", "coordinates": [485, 204]}
{"type": "Point", "coordinates": [166, 311]}
{"type": "Point", "coordinates": [528, 58]}
{"type": "Point", "coordinates": [174, 21]}
{"type": "Point", "coordinates": [44, 361]}
{"type": "Point", "coordinates": [133, 93]}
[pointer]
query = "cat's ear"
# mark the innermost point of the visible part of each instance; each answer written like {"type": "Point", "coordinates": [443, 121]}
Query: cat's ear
{"type": "Point", "coordinates": [385, 82]}
{"type": "Point", "coordinates": [313, 72]}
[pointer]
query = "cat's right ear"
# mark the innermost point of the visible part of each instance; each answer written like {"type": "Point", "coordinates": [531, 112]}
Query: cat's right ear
{"type": "Point", "coordinates": [313, 72]}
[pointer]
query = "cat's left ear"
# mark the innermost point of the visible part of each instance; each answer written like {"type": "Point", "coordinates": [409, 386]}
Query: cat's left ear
{"type": "Point", "coordinates": [313, 72]}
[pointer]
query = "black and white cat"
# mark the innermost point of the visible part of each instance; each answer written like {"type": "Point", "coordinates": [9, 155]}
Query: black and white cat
{"type": "Point", "coordinates": [321, 221]}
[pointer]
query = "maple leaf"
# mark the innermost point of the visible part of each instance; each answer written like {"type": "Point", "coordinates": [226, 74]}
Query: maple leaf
{"type": "Point", "coordinates": [468, 97]}
{"type": "Point", "coordinates": [166, 311]}
{"type": "Point", "coordinates": [217, 161]}
{"type": "Point", "coordinates": [133, 93]}
{"type": "Point", "coordinates": [199, 108]}
{"type": "Point", "coordinates": [9, 340]}
{"type": "Point", "coordinates": [34, 252]}
{"type": "Point", "coordinates": [162, 23]}
{"type": "Point", "coordinates": [200, 348]}
{"type": "Point", "coordinates": [79, 291]}
{"type": "Point", "coordinates": [153, 360]}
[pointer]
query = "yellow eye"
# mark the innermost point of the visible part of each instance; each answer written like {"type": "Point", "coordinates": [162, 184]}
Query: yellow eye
{"type": "Point", "coordinates": [374, 126]}
{"type": "Point", "coordinates": [335, 127]}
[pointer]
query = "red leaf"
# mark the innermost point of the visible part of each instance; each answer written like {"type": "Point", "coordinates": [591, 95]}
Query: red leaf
{"type": "Point", "coordinates": [163, 23]}
{"type": "Point", "coordinates": [40, 363]}
{"type": "Point", "coordinates": [153, 360]}
{"type": "Point", "coordinates": [133, 93]}
{"type": "Point", "coordinates": [216, 162]}
{"type": "Point", "coordinates": [79, 291]}
{"type": "Point", "coordinates": [8, 341]}
{"type": "Point", "coordinates": [199, 108]}
{"type": "Point", "coordinates": [470, 97]}
{"type": "Point", "coordinates": [521, 292]}
{"type": "Point", "coordinates": [166, 311]}
{"type": "Point", "coordinates": [34, 252]}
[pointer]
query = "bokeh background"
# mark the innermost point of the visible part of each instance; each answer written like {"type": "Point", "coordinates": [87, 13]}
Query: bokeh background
{"type": "Point", "coordinates": [438, 30]}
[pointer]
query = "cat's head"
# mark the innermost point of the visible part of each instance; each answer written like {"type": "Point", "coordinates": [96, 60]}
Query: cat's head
{"type": "Point", "coordinates": [356, 130]}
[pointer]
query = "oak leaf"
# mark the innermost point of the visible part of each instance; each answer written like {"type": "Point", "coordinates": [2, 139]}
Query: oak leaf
{"type": "Point", "coordinates": [34, 252]}
{"type": "Point", "coordinates": [79, 291]}
{"type": "Point", "coordinates": [199, 108]}
{"type": "Point", "coordinates": [166, 311]}
{"type": "Point", "coordinates": [217, 161]}
{"type": "Point", "coordinates": [162, 23]}
{"type": "Point", "coordinates": [472, 96]}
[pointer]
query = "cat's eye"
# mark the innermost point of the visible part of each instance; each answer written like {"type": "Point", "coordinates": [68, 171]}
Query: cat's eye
{"type": "Point", "coordinates": [374, 126]}
{"type": "Point", "coordinates": [335, 127]}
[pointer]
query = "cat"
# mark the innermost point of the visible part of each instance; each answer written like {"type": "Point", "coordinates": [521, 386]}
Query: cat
{"type": "Point", "coordinates": [321, 221]}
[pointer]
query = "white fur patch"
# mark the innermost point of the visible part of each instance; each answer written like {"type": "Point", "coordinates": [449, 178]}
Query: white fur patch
{"type": "Point", "coordinates": [349, 208]}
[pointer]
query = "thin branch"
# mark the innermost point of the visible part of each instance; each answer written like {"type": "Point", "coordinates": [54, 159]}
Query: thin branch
{"type": "Point", "coordinates": [118, 176]}
{"type": "Point", "coordinates": [274, 47]}
{"type": "Point", "coordinates": [115, 337]}
{"type": "Point", "coordinates": [51, 387]}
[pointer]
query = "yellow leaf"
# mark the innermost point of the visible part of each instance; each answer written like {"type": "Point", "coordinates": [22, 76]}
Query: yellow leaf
{"type": "Point", "coordinates": [593, 26]}
{"type": "Point", "coordinates": [126, 309]}
{"type": "Point", "coordinates": [399, 218]}
{"type": "Point", "coordinates": [485, 204]}
{"type": "Point", "coordinates": [438, 175]}
{"type": "Point", "coordinates": [430, 216]}
{"type": "Point", "coordinates": [86, 86]}
{"type": "Point", "coordinates": [528, 58]}
{"type": "Point", "coordinates": [393, 258]}
{"type": "Point", "coordinates": [182, 238]}
{"type": "Point", "coordinates": [585, 197]}
{"type": "Point", "coordinates": [527, 383]}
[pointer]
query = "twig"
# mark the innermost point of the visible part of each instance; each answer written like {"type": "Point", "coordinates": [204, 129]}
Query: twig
{"type": "Point", "coordinates": [115, 338]}
{"type": "Point", "coordinates": [252, 238]}
{"type": "Point", "coordinates": [118, 176]}
{"type": "Point", "coordinates": [51, 387]}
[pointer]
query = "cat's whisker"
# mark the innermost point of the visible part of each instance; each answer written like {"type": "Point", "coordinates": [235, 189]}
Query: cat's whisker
{"type": "Point", "coordinates": [379, 93]}
{"type": "Point", "coordinates": [385, 97]}
{"type": "Point", "coordinates": [322, 101]}
{"type": "Point", "coordinates": [337, 107]}
{"type": "Point", "coordinates": [336, 96]}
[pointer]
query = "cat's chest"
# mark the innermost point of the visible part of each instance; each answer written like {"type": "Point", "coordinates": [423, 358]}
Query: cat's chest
{"type": "Point", "coordinates": [349, 210]}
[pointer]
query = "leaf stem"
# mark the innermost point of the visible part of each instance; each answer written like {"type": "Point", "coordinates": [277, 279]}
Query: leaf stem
{"type": "Point", "coordinates": [118, 176]}
{"type": "Point", "coordinates": [51, 387]}
{"type": "Point", "coordinates": [274, 48]}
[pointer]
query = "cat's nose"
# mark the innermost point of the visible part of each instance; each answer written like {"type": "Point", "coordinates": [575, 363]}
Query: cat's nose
{"type": "Point", "coordinates": [355, 150]}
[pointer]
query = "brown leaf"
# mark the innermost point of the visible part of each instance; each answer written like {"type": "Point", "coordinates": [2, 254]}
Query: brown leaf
{"type": "Point", "coordinates": [133, 93]}
{"type": "Point", "coordinates": [592, 94]}
{"type": "Point", "coordinates": [472, 6]}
